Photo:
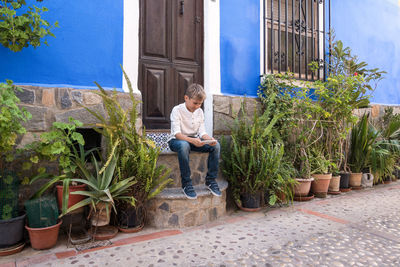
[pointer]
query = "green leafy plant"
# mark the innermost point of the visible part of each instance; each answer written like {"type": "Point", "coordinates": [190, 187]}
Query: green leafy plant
{"type": "Point", "coordinates": [12, 118]}
{"type": "Point", "coordinates": [137, 155]}
{"type": "Point", "coordinates": [17, 30]}
{"type": "Point", "coordinates": [60, 145]}
{"type": "Point", "coordinates": [104, 184]}
{"type": "Point", "coordinates": [249, 159]}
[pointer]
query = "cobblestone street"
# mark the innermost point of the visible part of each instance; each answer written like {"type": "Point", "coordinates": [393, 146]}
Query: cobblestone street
{"type": "Point", "coordinates": [359, 228]}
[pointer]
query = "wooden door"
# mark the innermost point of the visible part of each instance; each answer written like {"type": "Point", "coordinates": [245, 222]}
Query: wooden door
{"type": "Point", "coordinates": [171, 55]}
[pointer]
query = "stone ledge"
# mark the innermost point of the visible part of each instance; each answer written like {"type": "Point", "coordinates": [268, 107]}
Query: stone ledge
{"type": "Point", "coordinates": [171, 209]}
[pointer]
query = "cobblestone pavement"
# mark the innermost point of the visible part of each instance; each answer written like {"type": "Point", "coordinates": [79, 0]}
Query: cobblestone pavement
{"type": "Point", "coordinates": [359, 228]}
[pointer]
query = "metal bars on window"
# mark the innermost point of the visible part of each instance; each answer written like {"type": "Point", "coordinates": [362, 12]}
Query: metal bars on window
{"type": "Point", "coordinates": [294, 33]}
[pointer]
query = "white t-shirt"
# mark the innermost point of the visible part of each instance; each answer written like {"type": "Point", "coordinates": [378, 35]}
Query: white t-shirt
{"type": "Point", "coordinates": [186, 122]}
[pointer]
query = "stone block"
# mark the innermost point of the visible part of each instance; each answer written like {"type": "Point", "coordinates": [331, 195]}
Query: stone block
{"type": "Point", "coordinates": [81, 114]}
{"type": "Point", "coordinates": [77, 97]}
{"type": "Point", "coordinates": [221, 104]}
{"type": "Point", "coordinates": [27, 138]}
{"type": "Point", "coordinates": [178, 205]}
{"type": "Point", "coordinates": [26, 96]}
{"type": "Point", "coordinates": [90, 99]}
{"type": "Point", "coordinates": [375, 111]}
{"type": "Point", "coordinates": [173, 221]}
{"type": "Point", "coordinates": [222, 123]}
{"type": "Point", "coordinates": [190, 218]}
{"type": "Point", "coordinates": [212, 214]}
{"type": "Point", "coordinates": [38, 120]}
{"type": "Point", "coordinates": [205, 202]}
{"type": "Point", "coordinates": [164, 206]}
{"type": "Point", "coordinates": [202, 218]}
{"type": "Point", "coordinates": [236, 105]}
{"type": "Point", "coordinates": [48, 99]}
{"type": "Point", "coordinates": [64, 99]}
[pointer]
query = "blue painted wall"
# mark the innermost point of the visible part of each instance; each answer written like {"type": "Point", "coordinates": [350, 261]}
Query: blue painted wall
{"type": "Point", "coordinates": [88, 47]}
{"type": "Point", "coordinates": [240, 47]}
{"type": "Point", "coordinates": [372, 30]}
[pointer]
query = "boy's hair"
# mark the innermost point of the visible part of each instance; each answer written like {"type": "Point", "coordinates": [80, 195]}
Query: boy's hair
{"type": "Point", "coordinates": [195, 91]}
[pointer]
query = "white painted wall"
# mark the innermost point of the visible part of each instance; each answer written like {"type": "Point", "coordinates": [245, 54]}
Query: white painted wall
{"type": "Point", "coordinates": [131, 44]}
{"type": "Point", "coordinates": [212, 76]}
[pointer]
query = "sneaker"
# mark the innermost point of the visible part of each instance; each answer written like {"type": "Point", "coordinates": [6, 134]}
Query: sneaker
{"type": "Point", "coordinates": [213, 187]}
{"type": "Point", "coordinates": [189, 192]}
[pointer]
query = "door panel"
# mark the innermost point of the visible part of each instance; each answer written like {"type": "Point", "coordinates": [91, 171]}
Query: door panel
{"type": "Point", "coordinates": [171, 55]}
{"type": "Point", "coordinates": [156, 30]}
{"type": "Point", "coordinates": [155, 84]}
{"type": "Point", "coordinates": [183, 77]}
{"type": "Point", "coordinates": [184, 29]}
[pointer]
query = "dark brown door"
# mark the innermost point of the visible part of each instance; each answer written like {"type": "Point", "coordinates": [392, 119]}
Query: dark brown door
{"type": "Point", "coordinates": [171, 55]}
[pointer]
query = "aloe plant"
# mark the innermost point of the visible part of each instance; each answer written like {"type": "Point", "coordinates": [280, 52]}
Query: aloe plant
{"type": "Point", "coordinates": [102, 184]}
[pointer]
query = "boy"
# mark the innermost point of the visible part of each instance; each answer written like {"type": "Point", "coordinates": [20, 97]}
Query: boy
{"type": "Point", "coordinates": [188, 134]}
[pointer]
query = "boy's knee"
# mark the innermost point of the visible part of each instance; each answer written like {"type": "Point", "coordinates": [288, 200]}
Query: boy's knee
{"type": "Point", "coordinates": [217, 147]}
{"type": "Point", "coordinates": [184, 147]}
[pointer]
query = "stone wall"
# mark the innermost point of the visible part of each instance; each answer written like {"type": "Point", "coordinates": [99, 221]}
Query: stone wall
{"type": "Point", "coordinates": [226, 108]}
{"type": "Point", "coordinates": [48, 105]}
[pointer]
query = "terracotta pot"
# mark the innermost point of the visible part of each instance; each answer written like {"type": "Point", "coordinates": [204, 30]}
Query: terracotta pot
{"type": "Point", "coordinates": [355, 179]}
{"type": "Point", "coordinates": [72, 199]}
{"type": "Point", "coordinates": [320, 184]}
{"type": "Point", "coordinates": [303, 187]}
{"type": "Point", "coordinates": [334, 184]}
{"type": "Point", "coordinates": [44, 238]}
{"type": "Point", "coordinates": [100, 216]}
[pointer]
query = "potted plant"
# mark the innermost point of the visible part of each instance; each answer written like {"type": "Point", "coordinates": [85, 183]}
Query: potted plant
{"type": "Point", "coordinates": [363, 136]}
{"type": "Point", "coordinates": [320, 167]}
{"type": "Point", "coordinates": [64, 145]}
{"type": "Point", "coordinates": [105, 187]}
{"type": "Point", "coordinates": [250, 156]}
{"type": "Point", "coordinates": [43, 225]}
{"type": "Point", "coordinates": [137, 156]}
{"type": "Point", "coordinates": [11, 119]}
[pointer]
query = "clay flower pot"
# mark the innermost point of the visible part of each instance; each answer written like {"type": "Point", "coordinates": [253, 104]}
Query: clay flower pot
{"type": "Point", "coordinates": [72, 199]}
{"type": "Point", "coordinates": [100, 216]}
{"type": "Point", "coordinates": [44, 238]}
{"type": "Point", "coordinates": [320, 184]}
{"type": "Point", "coordinates": [334, 184]}
{"type": "Point", "coordinates": [303, 187]}
{"type": "Point", "coordinates": [355, 179]}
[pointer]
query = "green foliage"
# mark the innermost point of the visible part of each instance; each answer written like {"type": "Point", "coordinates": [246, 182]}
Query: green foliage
{"type": "Point", "coordinates": [9, 184]}
{"type": "Point", "coordinates": [59, 144]}
{"type": "Point", "coordinates": [19, 30]}
{"type": "Point", "coordinates": [12, 118]}
{"type": "Point", "coordinates": [363, 136]}
{"type": "Point", "coordinates": [104, 184]}
{"type": "Point", "coordinates": [137, 155]}
{"type": "Point", "coordinates": [252, 161]}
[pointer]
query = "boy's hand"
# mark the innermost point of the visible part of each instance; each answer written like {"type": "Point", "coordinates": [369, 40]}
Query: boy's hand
{"type": "Point", "coordinates": [197, 142]}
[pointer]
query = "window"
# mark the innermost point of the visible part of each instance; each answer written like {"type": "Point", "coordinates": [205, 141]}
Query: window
{"type": "Point", "coordinates": [293, 37]}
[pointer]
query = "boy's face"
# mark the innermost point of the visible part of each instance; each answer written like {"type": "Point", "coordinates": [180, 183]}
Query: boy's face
{"type": "Point", "coordinates": [192, 103]}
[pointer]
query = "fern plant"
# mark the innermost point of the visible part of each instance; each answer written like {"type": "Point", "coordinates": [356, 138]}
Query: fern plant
{"type": "Point", "coordinates": [137, 155]}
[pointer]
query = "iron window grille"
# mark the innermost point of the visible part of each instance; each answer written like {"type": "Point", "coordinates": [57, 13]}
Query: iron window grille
{"type": "Point", "coordinates": [294, 36]}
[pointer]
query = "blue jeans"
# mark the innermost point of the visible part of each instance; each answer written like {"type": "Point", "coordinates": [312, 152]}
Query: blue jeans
{"type": "Point", "coordinates": [183, 149]}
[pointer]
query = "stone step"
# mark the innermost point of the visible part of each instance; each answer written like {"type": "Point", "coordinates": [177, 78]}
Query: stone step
{"type": "Point", "coordinates": [171, 209]}
{"type": "Point", "coordinates": [198, 168]}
